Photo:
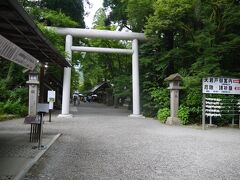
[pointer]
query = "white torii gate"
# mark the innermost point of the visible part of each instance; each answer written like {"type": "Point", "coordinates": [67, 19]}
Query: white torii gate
{"type": "Point", "coordinates": [91, 33]}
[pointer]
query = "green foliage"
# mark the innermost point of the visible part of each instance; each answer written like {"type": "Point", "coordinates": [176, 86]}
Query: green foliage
{"type": "Point", "coordinates": [161, 97]}
{"type": "Point", "coordinates": [1, 108]}
{"type": "Point", "coordinates": [20, 93]}
{"type": "Point", "coordinates": [15, 107]}
{"type": "Point", "coordinates": [129, 14]}
{"type": "Point", "coordinates": [168, 16]}
{"type": "Point", "coordinates": [138, 11]}
{"type": "Point", "coordinates": [155, 99]}
{"type": "Point", "coordinates": [149, 108]}
{"type": "Point", "coordinates": [13, 96]}
{"type": "Point", "coordinates": [122, 86]}
{"type": "Point", "coordinates": [75, 80]}
{"type": "Point", "coordinates": [3, 89]}
{"type": "Point", "coordinates": [7, 117]}
{"type": "Point", "coordinates": [52, 18]}
{"type": "Point", "coordinates": [191, 97]}
{"type": "Point", "coordinates": [16, 102]}
{"type": "Point", "coordinates": [163, 114]}
{"type": "Point", "coordinates": [99, 19]}
{"type": "Point", "coordinates": [183, 114]}
{"type": "Point", "coordinates": [118, 13]}
{"type": "Point", "coordinates": [194, 38]}
{"type": "Point", "coordinates": [113, 68]}
{"type": "Point", "coordinates": [61, 8]}
{"type": "Point", "coordinates": [71, 8]}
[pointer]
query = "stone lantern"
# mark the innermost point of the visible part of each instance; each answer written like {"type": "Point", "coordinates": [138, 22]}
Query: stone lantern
{"type": "Point", "coordinates": [174, 87]}
{"type": "Point", "coordinates": [33, 93]}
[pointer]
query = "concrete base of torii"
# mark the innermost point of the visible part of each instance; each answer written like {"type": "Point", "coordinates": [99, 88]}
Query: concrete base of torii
{"type": "Point", "coordinates": [65, 116]}
{"type": "Point", "coordinates": [136, 116]}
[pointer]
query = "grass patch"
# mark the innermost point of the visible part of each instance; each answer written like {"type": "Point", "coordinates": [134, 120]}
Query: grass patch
{"type": "Point", "coordinates": [5, 117]}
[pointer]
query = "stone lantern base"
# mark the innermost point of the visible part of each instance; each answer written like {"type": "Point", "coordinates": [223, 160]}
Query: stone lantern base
{"type": "Point", "coordinates": [173, 121]}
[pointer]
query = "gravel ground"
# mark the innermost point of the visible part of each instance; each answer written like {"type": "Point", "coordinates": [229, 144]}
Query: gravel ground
{"type": "Point", "coordinates": [104, 143]}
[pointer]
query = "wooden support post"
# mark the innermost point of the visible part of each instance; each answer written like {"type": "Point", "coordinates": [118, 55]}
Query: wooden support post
{"type": "Point", "coordinates": [41, 86]}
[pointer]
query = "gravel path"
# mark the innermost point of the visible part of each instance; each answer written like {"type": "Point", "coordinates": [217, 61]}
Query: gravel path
{"type": "Point", "coordinates": [104, 143]}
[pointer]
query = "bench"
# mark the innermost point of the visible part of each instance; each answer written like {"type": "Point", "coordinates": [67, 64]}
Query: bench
{"type": "Point", "coordinates": [35, 127]}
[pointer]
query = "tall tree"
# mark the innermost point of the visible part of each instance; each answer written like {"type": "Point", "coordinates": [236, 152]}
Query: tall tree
{"type": "Point", "coordinates": [118, 12]}
{"type": "Point", "coordinates": [99, 19]}
{"type": "Point", "coordinates": [129, 14]}
{"type": "Point", "coordinates": [72, 8]}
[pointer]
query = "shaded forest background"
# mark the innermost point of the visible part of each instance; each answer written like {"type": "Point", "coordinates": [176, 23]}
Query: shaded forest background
{"type": "Point", "coordinates": [196, 38]}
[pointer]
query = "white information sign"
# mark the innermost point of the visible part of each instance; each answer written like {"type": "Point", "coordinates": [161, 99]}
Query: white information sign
{"type": "Point", "coordinates": [51, 96]}
{"type": "Point", "coordinates": [12, 52]}
{"type": "Point", "coordinates": [50, 105]}
{"type": "Point", "coordinates": [220, 85]}
{"type": "Point", "coordinates": [43, 107]}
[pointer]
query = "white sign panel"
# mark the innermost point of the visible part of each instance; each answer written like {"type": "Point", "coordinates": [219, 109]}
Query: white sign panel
{"type": "Point", "coordinates": [220, 85]}
{"type": "Point", "coordinates": [50, 105]}
{"type": "Point", "coordinates": [43, 107]}
{"type": "Point", "coordinates": [51, 96]}
{"type": "Point", "coordinates": [12, 52]}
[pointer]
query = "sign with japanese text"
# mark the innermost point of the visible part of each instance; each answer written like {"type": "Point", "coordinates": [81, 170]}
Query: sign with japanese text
{"type": "Point", "coordinates": [220, 85]}
{"type": "Point", "coordinates": [12, 52]}
{"type": "Point", "coordinates": [51, 96]}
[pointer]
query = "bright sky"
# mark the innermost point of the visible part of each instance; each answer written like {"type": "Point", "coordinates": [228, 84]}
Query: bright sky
{"type": "Point", "coordinates": [95, 5]}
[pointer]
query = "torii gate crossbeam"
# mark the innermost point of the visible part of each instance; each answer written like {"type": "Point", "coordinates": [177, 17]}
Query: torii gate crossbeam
{"type": "Point", "coordinates": [102, 50]}
{"type": "Point", "coordinates": [91, 33]}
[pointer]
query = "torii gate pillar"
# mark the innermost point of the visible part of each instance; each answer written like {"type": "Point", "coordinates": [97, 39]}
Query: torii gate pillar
{"type": "Point", "coordinates": [67, 80]}
{"type": "Point", "coordinates": [135, 80]}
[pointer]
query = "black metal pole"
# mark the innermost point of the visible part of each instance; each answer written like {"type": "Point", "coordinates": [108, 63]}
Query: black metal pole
{"type": "Point", "coordinates": [50, 115]}
{"type": "Point", "coordinates": [40, 133]}
{"type": "Point", "coordinates": [203, 111]}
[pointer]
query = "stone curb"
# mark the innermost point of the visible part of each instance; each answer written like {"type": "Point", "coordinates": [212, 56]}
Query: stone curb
{"type": "Point", "coordinates": [28, 166]}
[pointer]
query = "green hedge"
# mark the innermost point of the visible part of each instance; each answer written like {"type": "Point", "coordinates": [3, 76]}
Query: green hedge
{"type": "Point", "coordinates": [163, 114]}
{"type": "Point", "coordinates": [15, 108]}
{"type": "Point", "coordinates": [7, 117]}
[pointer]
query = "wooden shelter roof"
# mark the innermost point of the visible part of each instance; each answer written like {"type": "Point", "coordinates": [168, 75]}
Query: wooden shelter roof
{"type": "Point", "coordinates": [19, 28]}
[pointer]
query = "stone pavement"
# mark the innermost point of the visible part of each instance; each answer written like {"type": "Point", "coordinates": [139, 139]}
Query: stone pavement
{"type": "Point", "coordinates": [17, 154]}
{"type": "Point", "coordinates": [101, 142]}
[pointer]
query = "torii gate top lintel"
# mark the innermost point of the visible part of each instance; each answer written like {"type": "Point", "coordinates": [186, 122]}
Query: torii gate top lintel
{"type": "Point", "coordinates": [94, 33]}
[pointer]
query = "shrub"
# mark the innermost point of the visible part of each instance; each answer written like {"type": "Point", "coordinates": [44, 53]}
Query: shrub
{"type": "Point", "coordinates": [4, 91]}
{"type": "Point", "coordinates": [160, 96]}
{"type": "Point", "coordinates": [1, 108]}
{"type": "Point", "coordinates": [191, 97]}
{"type": "Point", "coordinates": [183, 114]}
{"type": "Point", "coordinates": [20, 93]}
{"type": "Point", "coordinates": [163, 114]}
{"type": "Point", "coordinates": [7, 117]}
{"type": "Point", "coordinates": [16, 107]}
{"type": "Point", "coordinates": [16, 103]}
{"type": "Point", "coordinates": [150, 109]}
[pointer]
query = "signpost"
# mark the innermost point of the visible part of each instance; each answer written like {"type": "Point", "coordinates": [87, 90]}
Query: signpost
{"type": "Point", "coordinates": [220, 85]}
{"type": "Point", "coordinates": [12, 52]}
{"type": "Point", "coordinates": [41, 108]}
{"type": "Point", "coordinates": [51, 100]}
{"type": "Point", "coordinates": [214, 106]}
